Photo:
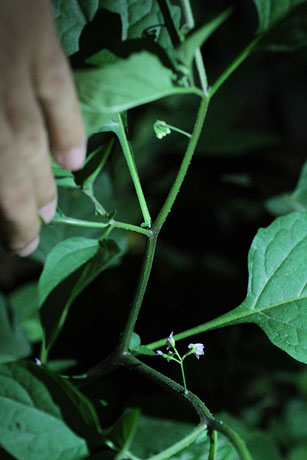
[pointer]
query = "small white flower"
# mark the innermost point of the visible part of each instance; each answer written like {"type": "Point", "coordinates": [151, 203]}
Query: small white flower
{"type": "Point", "coordinates": [38, 362]}
{"type": "Point", "coordinates": [159, 352]}
{"type": "Point", "coordinates": [198, 349]}
{"type": "Point", "coordinates": [170, 341]}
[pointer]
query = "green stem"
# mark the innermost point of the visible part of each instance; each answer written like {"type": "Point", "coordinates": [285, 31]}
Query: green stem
{"type": "Point", "coordinates": [133, 171]}
{"type": "Point", "coordinates": [87, 223]}
{"type": "Point", "coordinates": [232, 67]}
{"type": "Point", "coordinates": [228, 319]}
{"type": "Point", "coordinates": [213, 444]}
{"type": "Point", "coordinates": [167, 206]}
{"type": "Point", "coordinates": [138, 299]}
{"type": "Point", "coordinates": [206, 418]}
{"type": "Point", "coordinates": [178, 130]}
{"type": "Point", "coordinates": [44, 352]}
{"type": "Point", "coordinates": [180, 445]}
{"type": "Point", "coordinates": [188, 14]}
{"type": "Point", "coordinates": [183, 378]}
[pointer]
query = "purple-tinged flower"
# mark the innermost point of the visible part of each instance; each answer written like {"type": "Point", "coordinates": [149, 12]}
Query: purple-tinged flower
{"type": "Point", "coordinates": [170, 341]}
{"type": "Point", "coordinates": [38, 362]}
{"type": "Point", "coordinates": [159, 353]}
{"type": "Point", "coordinates": [198, 349]}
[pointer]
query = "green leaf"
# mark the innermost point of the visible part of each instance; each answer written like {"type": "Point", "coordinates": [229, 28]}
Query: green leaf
{"type": "Point", "coordinates": [71, 16]}
{"type": "Point", "coordinates": [75, 203]}
{"type": "Point", "coordinates": [70, 267]}
{"type": "Point", "coordinates": [282, 24]}
{"type": "Point", "coordinates": [31, 424]}
{"type": "Point", "coordinates": [24, 303]}
{"type": "Point", "coordinates": [145, 20]}
{"type": "Point", "coordinates": [13, 340]}
{"type": "Point", "coordinates": [135, 341]}
{"type": "Point", "coordinates": [123, 431]}
{"type": "Point", "coordinates": [277, 288]}
{"type": "Point", "coordinates": [65, 258]}
{"type": "Point", "coordinates": [295, 201]}
{"type": "Point", "coordinates": [196, 38]}
{"type": "Point", "coordinates": [271, 11]}
{"type": "Point", "coordinates": [93, 166]}
{"type": "Point", "coordinates": [143, 350]}
{"type": "Point", "coordinates": [76, 409]}
{"type": "Point", "coordinates": [124, 84]}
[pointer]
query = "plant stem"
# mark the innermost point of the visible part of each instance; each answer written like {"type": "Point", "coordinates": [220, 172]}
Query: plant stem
{"type": "Point", "coordinates": [232, 67]}
{"type": "Point", "coordinates": [87, 223]}
{"type": "Point", "coordinates": [167, 206]}
{"type": "Point", "coordinates": [44, 352]}
{"type": "Point", "coordinates": [188, 15]}
{"type": "Point", "coordinates": [206, 418]}
{"type": "Point", "coordinates": [133, 171]}
{"type": "Point", "coordinates": [180, 445]}
{"type": "Point", "coordinates": [213, 444]}
{"type": "Point", "coordinates": [183, 378]}
{"type": "Point", "coordinates": [138, 299]}
{"type": "Point", "coordinates": [222, 321]}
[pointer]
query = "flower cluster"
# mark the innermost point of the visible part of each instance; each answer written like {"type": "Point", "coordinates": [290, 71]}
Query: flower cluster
{"type": "Point", "coordinates": [197, 349]}
{"type": "Point", "coordinates": [161, 129]}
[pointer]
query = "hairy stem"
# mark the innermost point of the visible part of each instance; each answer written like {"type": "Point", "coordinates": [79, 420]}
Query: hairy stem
{"type": "Point", "coordinates": [228, 319]}
{"type": "Point", "coordinates": [133, 171]}
{"type": "Point", "coordinates": [138, 299]}
{"type": "Point", "coordinates": [167, 206]}
{"type": "Point", "coordinates": [207, 420]}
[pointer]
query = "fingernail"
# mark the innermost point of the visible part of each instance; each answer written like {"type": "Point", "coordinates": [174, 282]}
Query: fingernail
{"type": "Point", "coordinates": [24, 252]}
{"type": "Point", "coordinates": [72, 159]}
{"type": "Point", "coordinates": [47, 212]}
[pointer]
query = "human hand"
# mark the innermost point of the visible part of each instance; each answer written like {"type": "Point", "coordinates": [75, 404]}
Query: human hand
{"type": "Point", "coordinates": [39, 113]}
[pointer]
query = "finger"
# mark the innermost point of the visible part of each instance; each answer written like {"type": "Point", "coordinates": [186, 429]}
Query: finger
{"type": "Point", "coordinates": [31, 145]}
{"type": "Point", "coordinates": [58, 99]}
{"type": "Point", "coordinates": [19, 223]}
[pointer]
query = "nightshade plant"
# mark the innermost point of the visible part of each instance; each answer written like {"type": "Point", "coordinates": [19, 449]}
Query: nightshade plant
{"type": "Point", "coordinates": [43, 414]}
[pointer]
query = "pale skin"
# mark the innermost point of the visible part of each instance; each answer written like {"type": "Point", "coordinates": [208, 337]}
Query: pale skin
{"type": "Point", "coordinates": [39, 116]}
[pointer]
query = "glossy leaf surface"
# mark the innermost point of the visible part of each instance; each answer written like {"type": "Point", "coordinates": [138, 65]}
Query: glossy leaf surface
{"type": "Point", "coordinates": [277, 289]}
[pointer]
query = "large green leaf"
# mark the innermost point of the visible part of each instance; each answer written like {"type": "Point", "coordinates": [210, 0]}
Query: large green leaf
{"type": "Point", "coordinates": [277, 288]}
{"type": "Point", "coordinates": [282, 24]}
{"type": "Point", "coordinates": [271, 11]}
{"type": "Point", "coordinates": [13, 340]}
{"type": "Point", "coordinates": [31, 424]}
{"type": "Point", "coordinates": [71, 16]}
{"type": "Point", "coordinates": [124, 84]}
{"type": "Point", "coordinates": [145, 20]}
{"type": "Point", "coordinates": [69, 268]}
{"type": "Point", "coordinates": [77, 411]}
